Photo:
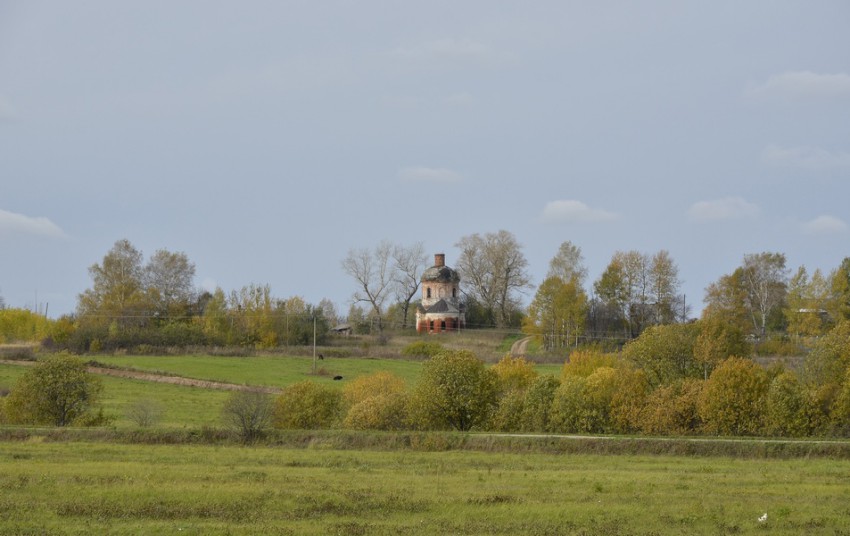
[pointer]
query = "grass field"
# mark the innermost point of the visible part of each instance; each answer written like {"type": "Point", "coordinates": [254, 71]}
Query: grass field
{"type": "Point", "coordinates": [195, 407]}
{"type": "Point", "coordinates": [84, 488]}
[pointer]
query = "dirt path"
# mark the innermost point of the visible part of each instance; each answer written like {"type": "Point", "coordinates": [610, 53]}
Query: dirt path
{"type": "Point", "coordinates": [161, 378]}
{"type": "Point", "coordinates": [518, 348]}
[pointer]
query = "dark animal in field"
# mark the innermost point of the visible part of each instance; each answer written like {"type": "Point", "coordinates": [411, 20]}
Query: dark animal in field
{"type": "Point", "coordinates": [337, 378]}
{"type": "Point", "coordinates": [321, 356]}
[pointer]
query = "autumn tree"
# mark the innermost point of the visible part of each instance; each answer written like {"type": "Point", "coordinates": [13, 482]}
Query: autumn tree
{"type": "Point", "coordinates": [568, 264]}
{"type": "Point", "coordinates": [765, 279]}
{"type": "Point", "coordinates": [455, 391]}
{"type": "Point", "coordinates": [665, 353]}
{"type": "Point", "coordinates": [583, 404]}
{"type": "Point", "coordinates": [643, 289]}
{"type": "Point", "coordinates": [717, 341]}
{"type": "Point", "coordinates": [787, 407]}
{"type": "Point", "coordinates": [829, 360]}
{"type": "Point", "coordinates": [494, 271]}
{"type": "Point", "coordinates": [672, 409]}
{"type": "Point", "coordinates": [557, 313]}
{"type": "Point", "coordinates": [57, 391]}
{"type": "Point", "coordinates": [374, 272]}
{"type": "Point", "coordinates": [117, 292]}
{"type": "Point", "coordinates": [839, 292]}
{"type": "Point", "coordinates": [806, 302]}
{"type": "Point", "coordinates": [732, 399]}
{"type": "Point", "coordinates": [726, 301]}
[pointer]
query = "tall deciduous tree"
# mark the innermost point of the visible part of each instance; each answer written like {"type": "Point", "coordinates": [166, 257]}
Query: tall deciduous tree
{"type": "Point", "coordinates": [409, 263]}
{"type": "Point", "coordinates": [568, 264]}
{"type": "Point", "coordinates": [169, 283]}
{"type": "Point", "coordinates": [765, 279]}
{"type": "Point", "coordinates": [839, 298]}
{"type": "Point", "coordinates": [494, 270]}
{"type": "Point", "coordinates": [374, 273]}
{"type": "Point", "coordinates": [806, 302]}
{"type": "Point", "coordinates": [117, 292]}
{"type": "Point", "coordinates": [557, 313]}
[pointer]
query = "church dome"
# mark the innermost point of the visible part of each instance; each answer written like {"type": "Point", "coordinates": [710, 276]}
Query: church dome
{"type": "Point", "coordinates": [440, 273]}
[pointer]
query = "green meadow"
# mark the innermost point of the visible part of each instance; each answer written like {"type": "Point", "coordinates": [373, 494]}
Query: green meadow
{"type": "Point", "coordinates": [84, 488]}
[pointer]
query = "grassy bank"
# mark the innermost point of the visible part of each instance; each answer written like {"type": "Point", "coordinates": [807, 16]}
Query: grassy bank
{"type": "Point", "coordinates": [84, 487]}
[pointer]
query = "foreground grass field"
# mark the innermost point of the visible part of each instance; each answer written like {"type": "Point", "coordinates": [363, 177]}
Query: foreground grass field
{"type": "Point", "coordinates": [85, 488]}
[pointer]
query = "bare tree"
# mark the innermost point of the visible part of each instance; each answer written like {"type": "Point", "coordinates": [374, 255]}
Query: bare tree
{"type": "Point", "coordinates": [494, 270]}
{"type": "Point", "coordinates": [374, 273]}
{"type": "Point", "coordinates": [144, 411]}
{"type": "Point", "coordinates": [409, 262]}
{"type": "Point", "coordinates": [249, 413]}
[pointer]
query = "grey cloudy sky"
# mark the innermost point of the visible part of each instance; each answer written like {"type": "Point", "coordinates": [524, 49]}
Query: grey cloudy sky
{"type": "Point", "coordinates": [265, 139]}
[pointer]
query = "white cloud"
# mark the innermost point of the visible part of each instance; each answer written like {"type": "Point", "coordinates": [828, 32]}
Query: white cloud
{"type": "Point", "coordinates": [805, 84]}
{"type": "Point", "coordinates": [426, 174]}
{"type": "Point", "coordinates": [728, 208]}
{"type": "Point", "coordinates": [825, 225]}
{"type": "Point", "coordinates": [572, 211]}
{"type": "Point", "coordinates": [13, 223]}
{"type": "Point", "coordinates": [813, 158]}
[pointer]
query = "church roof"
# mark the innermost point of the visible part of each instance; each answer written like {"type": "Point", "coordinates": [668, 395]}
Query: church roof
{"type": "Point", "coordinates": [442, 306]}
{"type": "Point", "coordinates": [440, 274]}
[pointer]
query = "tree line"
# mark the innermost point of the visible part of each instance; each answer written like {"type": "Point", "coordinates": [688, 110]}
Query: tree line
{"type": "Point", "coordinates": [154, 303]}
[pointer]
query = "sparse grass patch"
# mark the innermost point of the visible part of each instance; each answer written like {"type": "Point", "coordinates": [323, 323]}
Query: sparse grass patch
{"type": "Point", "coordinates": [84, 488]}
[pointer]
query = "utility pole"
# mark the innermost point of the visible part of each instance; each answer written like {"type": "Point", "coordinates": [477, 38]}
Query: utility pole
{"type": "Point", "coordinates": [314, 345]}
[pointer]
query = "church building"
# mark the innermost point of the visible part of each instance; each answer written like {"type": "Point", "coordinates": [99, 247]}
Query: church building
{"type": "Point", "coordinates": [440, 309]}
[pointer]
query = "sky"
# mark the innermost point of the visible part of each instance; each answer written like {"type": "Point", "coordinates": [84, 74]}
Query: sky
{"type": "Point", "coordinates": [265, 139]}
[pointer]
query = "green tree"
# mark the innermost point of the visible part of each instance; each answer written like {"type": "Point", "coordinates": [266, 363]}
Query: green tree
{"type": "Point", "coordinates": [455, 390]}
{"type": "Point", "coordinates": [584, 404]}
{"type": "Point", "coordinates": [307, 405]}
{"type": "Point", "coordinates": [733, 398]}
{"type": "Point", "coordinates": [57, 391]}
{"type": "Point", "coordinates": [665, 353]}
{"type": "Point", "coordinates": [22, 325]}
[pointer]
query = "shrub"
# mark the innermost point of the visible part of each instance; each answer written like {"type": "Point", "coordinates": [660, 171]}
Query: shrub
{"type": "Point", "coordinates": [381, 383]}
{"type": "Point", "coordinates": [144, 412]}
{"type": "Point", "coordinates": [788, 407]}
{"type": "Point", "coordinates": [537, 405]}
{"type": "Point", "coordinates": [672, 409]}
{"type": "Point", "coordinates": [732, 400]}
{"type": "Point", "coordinates": [422, 349]}
{"type": "Point", "coordinates": [508, 416]}
{"type": "Point", "coordinates": [249, 413]}
{"type": "Point", "coordinates": [57, 391]}
{"type": "Point", "coordinates": [307, 405]}
{"type": "Point", "coordinates": [455, 391]}
{"type": "Point", "coordinates": [584, 362]}
{"type": "Point", "coordinates": [380, 412]}
{"type": "Point", "coordinates": [514, 373]}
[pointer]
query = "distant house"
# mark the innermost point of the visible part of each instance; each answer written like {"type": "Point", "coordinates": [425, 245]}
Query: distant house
{"type": "Point", "coordinates": [342, 329]}
{"type": "Point", "coordinates": [440, 309]}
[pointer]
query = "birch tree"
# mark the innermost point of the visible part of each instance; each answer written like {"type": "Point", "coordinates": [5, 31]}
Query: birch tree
{"type": "Point", "coordinates": [374, 272]}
